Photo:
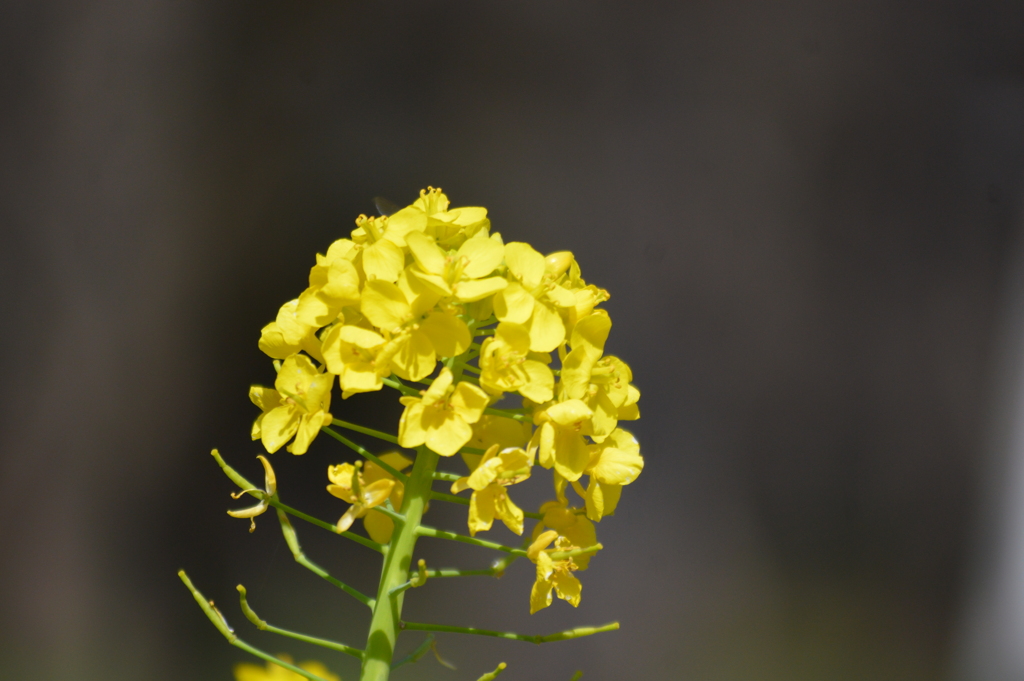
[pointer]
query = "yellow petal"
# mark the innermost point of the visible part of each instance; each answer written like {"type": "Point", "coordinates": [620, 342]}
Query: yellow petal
{"type": "Point", "coordinates": [481, 510]}
{"type": "Point", "coordinates": [383, 260]}
{"type": "Point", "coordinates": [568, 587]}
{"type": "Point", "coordinates": [272, 342]}
{"type": "Point", "coordinates": [415, 359]}
{"type": "Point", "coordinates": [601, 499]}
{"type": "Point", "coordinates": [345, 521]}
{"type": "Point", "coordinates": [525, 263]}
{"type": "Point", "coordinates": [448, 334]}
{"type": "Point", "coordinates": [411, 432]}
{"type": "Point", "coordinates": [616, 467]}
{"type": "Point", "coordinates": [513, 304]}
{"type": "Point", "coordinates": [435, 283]}
{"type": "Point", "coordinates": [449, 436]}
{"type": "Point", "coordinates": [309, 427]}
{"type": "Point", "coordinates": [591, 333]}
{"type": "Point", "coordinates": [571, 455]}
{"type": "Point", "coordinates": [378, 526]}
{"type": "Point", "coordinates": [439, 387]}
{"type": "Point", "coordinates": [484, 256]}
{"type": "Point", "coordinates": [384, 305]}
{"type": "Point", "coordinates": [407, 220]}
{"type": "Point", "coordinates": [476, 289]}
{"type": "Point", "coordinates": [540, 595]}
{"type": "Point", "coordinates": [427, 254]}
{"type": "Point", "coordinates": [562, 297]}
{"type": "Point", "coordinates": [508, 512]}
{"type": "Point", "coordinates": [377, 492]}
{"type": "Point", "coordinates": [547, 330]}
{"type": "Point", "coordinates": [540, 543]}
{"type": "Point", "coordinates": [278, 426]}
{"type": "Point", "coordinates": [569, 413]}
{"type": "Point", "coordinates": [469, 402]}
{"type": "Point", "coordinates": [541, 382]}
{"type": "Point", "coordinates": [342, 285]}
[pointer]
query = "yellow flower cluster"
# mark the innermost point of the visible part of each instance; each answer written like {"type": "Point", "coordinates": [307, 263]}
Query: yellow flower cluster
{"type": "Point", "coordinates": [431, 296]}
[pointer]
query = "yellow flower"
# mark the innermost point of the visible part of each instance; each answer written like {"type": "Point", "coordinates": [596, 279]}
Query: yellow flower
{"type": "Point", "coordinates": [416, 333]}
{"type": "Point", "coordinates": [381, 253]}
{"type": "Point", "coordinates": [333, 284]}
{"type": "Point", "coordinates": [603, 383]}
{"type": "Point", "coordinates": [287, 334]}
{"type": "Point", "coordinates": [348, 485]}
{"type": "Point", "coordinates": [552, 574]}
{"type": "Point", "coordinates": [378, 526]}
{"type": "Point", "coordinates": [245, 671]}
{"type": "Point", "coordinates": [355, 354]}
{"type": "Point", "coordinates": [488, 481]}
{"type": "Point", "coordinates": [506, 365]}
{"type": "Point", "coordinates": [574, 530]}
{"type": "Point", "coordinates": [613, 463]}
{"type": "Point", "coordinates": [442, 419]}
{"type": "Point", "coordinates": [533, 298]}
{"type": "Point", "coordinates": [269, 490]}
{"type": "Point", "coordinates": [499, 430]}
{"type": "Point", "coordinates": [587, 296]}
{"type": "Point", "coordinates": [297, 408]}
{"type": "Point", "coordinates": [559, 440]}
{"type": "Point", "coordinates": [463, 274]}
{"type": "Point", "coordinates": [429, 214]}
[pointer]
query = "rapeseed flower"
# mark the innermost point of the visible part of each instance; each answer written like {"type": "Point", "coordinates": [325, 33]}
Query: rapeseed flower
{"type": "Point", "coordinates": [488, 481]}
{"type": "Point", "coordinates": [552, 574]}
{"type": "Point", "coordinates": [613, 463]}
{"type": "Point", "coordinates": [559, 441]}
{"type": "Point", "coordinates": [347, 484]}
{"type": "Point", "coordinates": [507, 365]}
{"type": "Point", "coordinates": [297, 407]}
{"type": "Point", "coordinates": [442, 418]}
{"type": "Point", "coordinates": [532, 297]}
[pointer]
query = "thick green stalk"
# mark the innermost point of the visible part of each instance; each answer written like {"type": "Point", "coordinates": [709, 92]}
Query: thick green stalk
{"type": "Point", "coordinates": [387, 611]}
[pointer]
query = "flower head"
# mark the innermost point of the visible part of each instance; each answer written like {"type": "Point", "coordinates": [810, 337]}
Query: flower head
{"type": "Point", "coordinates": [442, 418]}
{"type": "Point", "coordinates": [297, 407]}
{"type": "Point", "coordinates": [372, 481]}
{"type": "Point", "coordinates": [507, 365]}
{"type": "Point", "coordinates": [488, 481]}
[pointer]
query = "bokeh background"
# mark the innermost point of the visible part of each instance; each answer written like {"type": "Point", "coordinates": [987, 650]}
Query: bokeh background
{"type": "Point", "coordinates": [807, 214]}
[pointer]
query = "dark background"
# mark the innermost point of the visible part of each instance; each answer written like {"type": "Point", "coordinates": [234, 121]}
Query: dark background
{"type": "Point", "coordinates": [806, 213]}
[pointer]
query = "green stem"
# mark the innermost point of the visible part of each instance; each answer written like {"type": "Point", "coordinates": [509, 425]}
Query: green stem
{"type": "Point", "coordinates": [578, 632]}
{"type": "Point", "coordinates": [251, 615]}
{"type": "Point", "coordinates": [330, 527]}
{"type": "Point", "coordinates": [401, 387]}
{"type": "Point", "coordinates": [451, 572]}
{"type": "Point", "coordinates": [384, 627]}
{"type": "Point", "coordinates": [448, 477]}
{"type": "Point", "coordinates": [362, 452]}
{"type": "Point", "coordinates": [509, 414]}
{"type": "Point", "coordinates": [424, 531]}
{"type": "Point", "coordinates": [379, 434]}
{"type": "Point", "coordinates": [292, 540]}
{"type": "Point", "coordinates": [470, 368]}
{"type": "Point", "coordinates": [218, 621]}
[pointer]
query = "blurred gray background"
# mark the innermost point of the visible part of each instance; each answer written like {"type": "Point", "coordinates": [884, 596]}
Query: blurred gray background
{"type": "Point", "coordinates": [807, 214]}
